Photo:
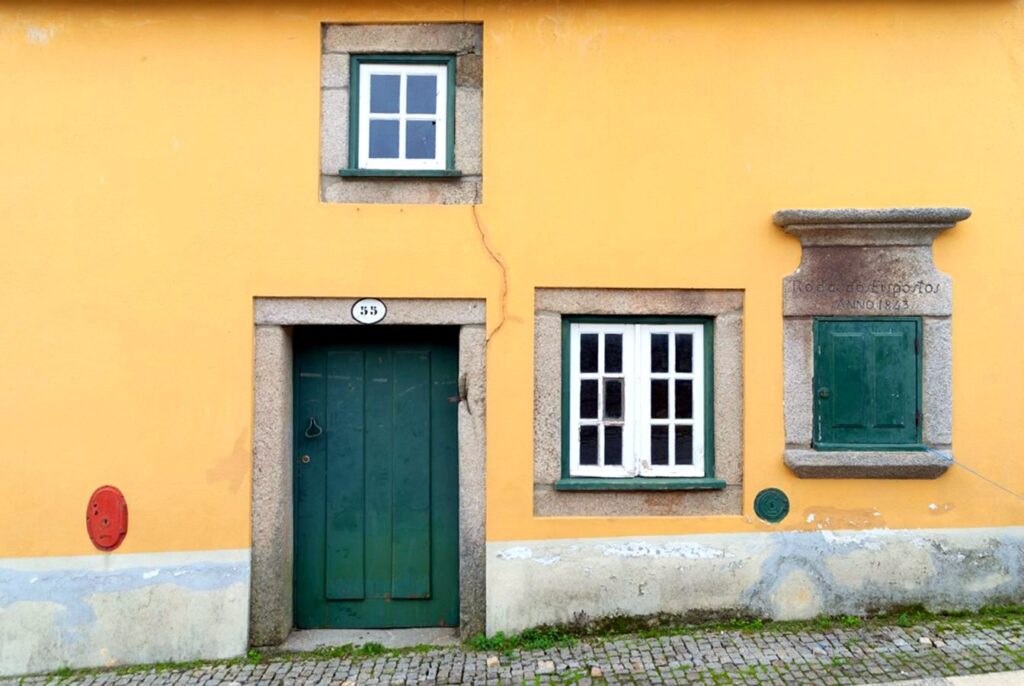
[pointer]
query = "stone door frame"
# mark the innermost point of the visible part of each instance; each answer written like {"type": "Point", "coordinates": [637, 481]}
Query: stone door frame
{"type": "Point", "coordinates": [270, 603]}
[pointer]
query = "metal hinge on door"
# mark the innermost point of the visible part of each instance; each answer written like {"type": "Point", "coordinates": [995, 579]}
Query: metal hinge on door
{"type": "Point", "coordinates": [917, 417]}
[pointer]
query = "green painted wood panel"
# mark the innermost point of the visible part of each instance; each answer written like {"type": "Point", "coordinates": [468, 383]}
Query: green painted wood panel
{"type": "Point", "coordinates": [376, 540]}
{"type": "Point", "coordinates": [410, 551]}
{"type": "Point", "coordinates": [311, 487]}
{"type": "Point", "coordinates": [345, 523]}
{"type": "Point", "coordinates": [867, 384]}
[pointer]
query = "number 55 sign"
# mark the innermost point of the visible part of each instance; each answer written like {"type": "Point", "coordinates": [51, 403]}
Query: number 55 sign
{"type": "Point", "coordinates": [369, 311]}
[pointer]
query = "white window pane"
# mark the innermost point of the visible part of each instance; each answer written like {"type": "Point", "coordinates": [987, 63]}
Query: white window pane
{"type": "Point", "coordinates": [613, 397]}
{"type": "Point", "coordinates": [420, 140]}
{"type": "Point", "coordinates": [659, 398]}
{"type": "Point", "coordinates": [588, 399]}
{"type": "Point", "coordinates": [613, 353]}
{"type": "Point", "coordinates": [588, 445]}
{"type": "Point", "coordinates": [588, 352]}
{"type": "Point", "coordinates": [383, 139]}
{"type": "Point", "coordinates": [684, 399]}
{"type": "Point", "coordinates": [659, 445]}
{"type": "Point", "coordinates": [421, 94]}
{"type": "Point", "coordinates": [684, 352]}
{"type": "Point", "coordinates": [613, 445]}
{"type": "Point", "coordinates": [684, 445]}
{"type": "Point", "coordinates": [659, 352]}
{"type": "Point", "coordinates": [384, 93]}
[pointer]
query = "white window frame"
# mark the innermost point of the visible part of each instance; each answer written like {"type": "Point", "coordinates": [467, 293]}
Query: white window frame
{"type": "Point", "coordinates": [440, 116]}
{"type": "Point", "coordinates": [637, 420]}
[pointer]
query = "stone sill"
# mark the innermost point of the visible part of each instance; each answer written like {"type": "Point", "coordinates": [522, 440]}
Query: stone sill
{"type": "Point", "coordinates": [851, 464]}
{"type": "Point", "coordinates": [401, 173]}
{"type": "Point", "coordinates": [639, 484]}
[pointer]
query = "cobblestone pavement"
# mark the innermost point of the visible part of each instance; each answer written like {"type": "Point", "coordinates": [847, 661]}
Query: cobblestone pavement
{"type": "Point", "coordinates": [771, 656]}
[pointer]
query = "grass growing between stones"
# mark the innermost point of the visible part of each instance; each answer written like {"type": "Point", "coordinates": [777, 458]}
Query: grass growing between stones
{"type": "Point", "coordinates": [610, 628]}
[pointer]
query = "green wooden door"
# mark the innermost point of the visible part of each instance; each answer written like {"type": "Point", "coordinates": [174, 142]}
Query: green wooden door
{"type": "Point", "coordinates": [376, 477]}
{"type": "Point", "coordinates": [867, 384]}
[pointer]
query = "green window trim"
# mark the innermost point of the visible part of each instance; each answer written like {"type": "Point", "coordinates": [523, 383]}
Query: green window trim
{"type": "Point", "coordinates": [567, 482]}
{"type": "Point", "coordinates": [639, 483]}
{"type": "Point", "coordinates": [356, 60]}
{"type": "Point", "coordinates": [830, 434]}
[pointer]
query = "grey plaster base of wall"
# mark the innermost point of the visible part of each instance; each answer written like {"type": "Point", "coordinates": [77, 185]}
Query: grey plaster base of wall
{"type": "Point", "coordinates": [782, 576]}
{"type": "Point", "coordinates": [814, 464]}
{"type": "Point", "coordinates": [726, 306]}
{"type": "Point", "coordinates": [270, 615]}
{"type": "Point", "coordinates": [127, 608]}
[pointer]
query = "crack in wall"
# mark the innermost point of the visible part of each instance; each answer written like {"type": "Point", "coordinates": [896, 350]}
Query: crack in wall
{"type": "Point", "coordinates": [496, 257]}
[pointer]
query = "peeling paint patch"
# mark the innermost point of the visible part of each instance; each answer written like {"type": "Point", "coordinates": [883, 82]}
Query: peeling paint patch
{"type": "Point", "coordinates": [689, 551]}
{"type": "Point", "coordinates": [523, 553]}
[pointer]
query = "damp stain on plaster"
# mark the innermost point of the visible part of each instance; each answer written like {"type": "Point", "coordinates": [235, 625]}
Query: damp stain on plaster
{"type": "Point", "coordinates": [40, 35]}
{"type": "Point", "coordinates": [820, 518]}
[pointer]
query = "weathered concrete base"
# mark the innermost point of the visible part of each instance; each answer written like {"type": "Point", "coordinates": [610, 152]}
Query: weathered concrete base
{"type": "Point", "coordinates": [813, 464]}
{"type": "Point", "coordinates": [791, 575]}
{"type": "Point", "coordinates": [311, 639]}
{"type": "Point", "coordinates": [105, 610]}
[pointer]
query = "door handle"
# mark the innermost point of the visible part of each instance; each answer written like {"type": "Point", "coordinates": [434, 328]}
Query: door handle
{"type": "Point", "coordinates": [823, 393]}
{"type": "Point", "coordinates": [313, 430]}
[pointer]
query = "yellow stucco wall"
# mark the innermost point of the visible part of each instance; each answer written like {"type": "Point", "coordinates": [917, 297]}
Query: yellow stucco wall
{"type": "Point", "coordinates": [158, 169]}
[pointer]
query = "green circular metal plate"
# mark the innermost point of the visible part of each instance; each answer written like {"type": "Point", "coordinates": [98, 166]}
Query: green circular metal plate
{"type": "Point", "coordinates": [771, 505]}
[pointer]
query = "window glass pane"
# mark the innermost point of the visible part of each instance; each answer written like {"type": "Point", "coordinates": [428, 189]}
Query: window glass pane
{"type": "Point", "coordinates": [613, 445]}
{"type": "Point", "coordinates": [684, 399]}
{"type": "Point", "coordinates": [420, 140]}
{"type": "Point", "coordinates": [588, 352]}
{"type": "Point", "coordinates": [659, 445]}
{"type": "Point", "coordinates": [588, 399]}
{"type": "Point", "coordinates": [613, 353]}
{"type": "Point", "coordinates": [659, 398]}
{"type": "Point", "coordinates": [383, 139]}
{"type": "Point", "coordinates": [612, 399]}
{"type": "Point", "coordinates": [659, 352]}
{"type": "Point", "coordinates": [421, 94]}
{"type": "Point", "coordinates": [684, 445]}
{"type": "Point", "coordinates": [588, 445]}
{"type": "Point", "coordinates": [684, 352]}
{"type": "Point", "coordinates": [384, 89]}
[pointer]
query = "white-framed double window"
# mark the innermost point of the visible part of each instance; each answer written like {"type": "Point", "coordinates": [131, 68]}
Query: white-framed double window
{"type": "Point", "coordinates": [404, 116]}
{"type": "Point", "coordinates": [637, 400]}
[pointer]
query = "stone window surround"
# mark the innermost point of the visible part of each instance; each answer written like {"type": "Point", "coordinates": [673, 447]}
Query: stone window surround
{"type": "Point", "coordinates": [339, 42]}
{"type": "Point", "coordinates": [726, 307]}
{"type": "Point", "coordinates": [271, 617]}
{"type": "Point", "coordinates": [856, 246]}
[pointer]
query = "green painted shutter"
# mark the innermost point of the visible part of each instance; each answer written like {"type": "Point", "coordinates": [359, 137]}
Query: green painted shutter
{"type": "Point", "coordinates": [867, 383]}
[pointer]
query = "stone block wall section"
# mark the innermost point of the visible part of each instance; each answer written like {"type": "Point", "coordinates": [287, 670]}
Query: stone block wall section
{"type": "Point", "coordinates": [340, 42]}
{"type": "Point", "coordinates": [550, 305]}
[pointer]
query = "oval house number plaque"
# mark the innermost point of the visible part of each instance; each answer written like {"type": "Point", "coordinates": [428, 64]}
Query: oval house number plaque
{"type": "Point", "coordinates": [369, 311]}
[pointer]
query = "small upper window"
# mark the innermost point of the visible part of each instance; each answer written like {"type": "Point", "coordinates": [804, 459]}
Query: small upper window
{"type": "Point", "coordinates": [638, 399]}
{"type": "Point", "coordinates": [403, 113]}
